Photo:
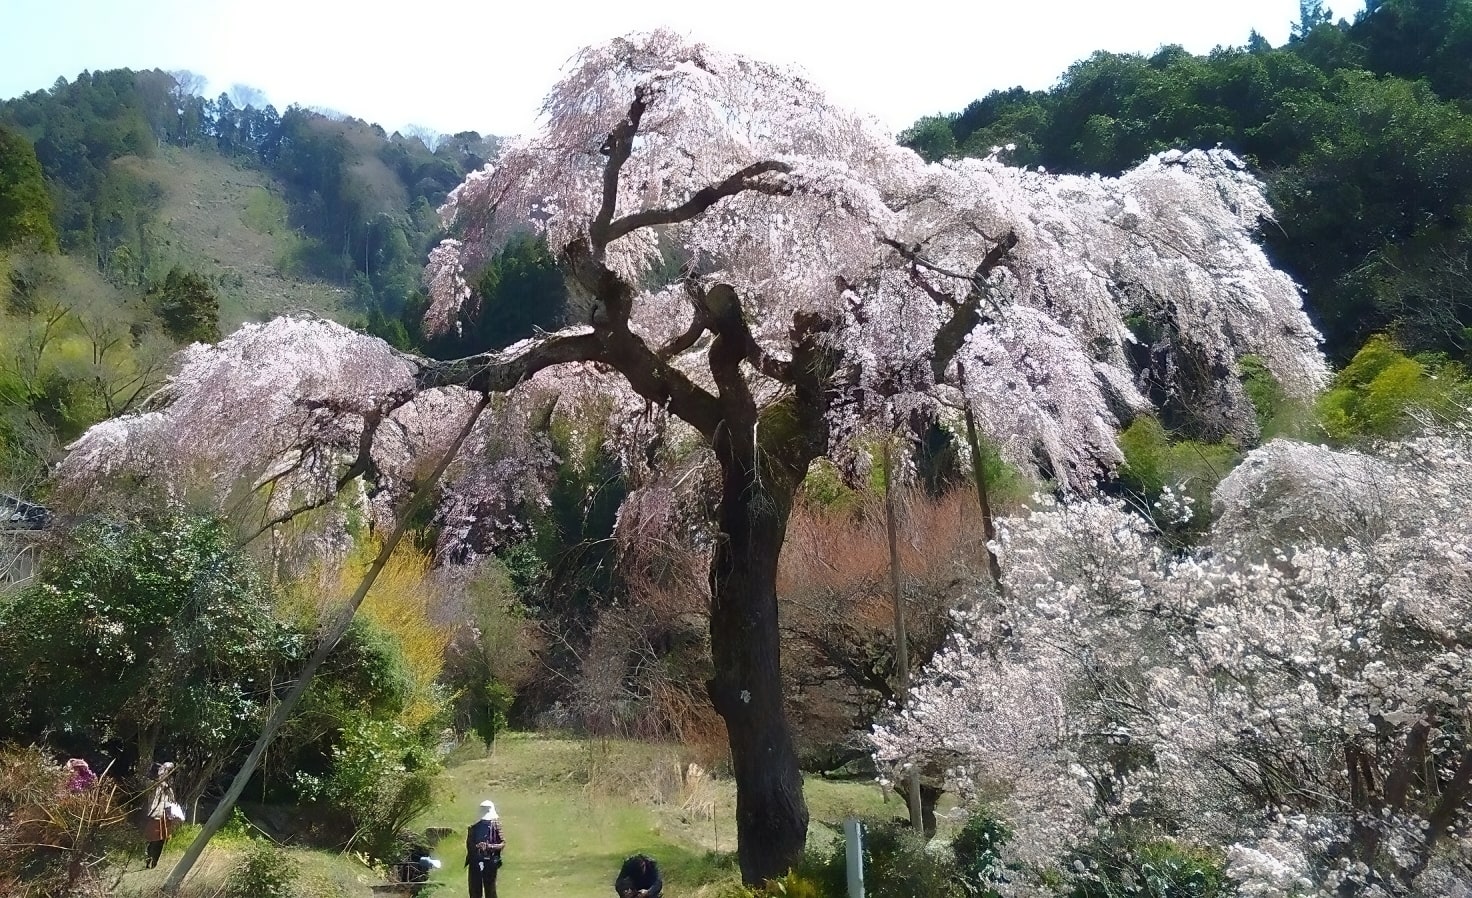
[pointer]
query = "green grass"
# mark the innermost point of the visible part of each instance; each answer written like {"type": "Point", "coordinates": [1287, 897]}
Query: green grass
{"type": "Point", "coordinates": [830, 801]}
{"type": "Point", "coordinates": [572, 811]}
{"type": "Point", "coordinates": [324, 874]}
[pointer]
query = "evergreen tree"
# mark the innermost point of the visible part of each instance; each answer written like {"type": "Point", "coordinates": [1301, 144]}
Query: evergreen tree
{"type": "Point", "coordinates": [187, 306]}
{"type": "Point", "coordinates": [25, 206]}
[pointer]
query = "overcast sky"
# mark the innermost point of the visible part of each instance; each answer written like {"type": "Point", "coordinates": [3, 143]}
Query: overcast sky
{"type": "Point", "coordinates": [484, 66]}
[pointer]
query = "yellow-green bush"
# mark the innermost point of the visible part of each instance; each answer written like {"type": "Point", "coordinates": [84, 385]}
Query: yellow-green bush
{"type": "Point", "coordinates": [1382, 391]}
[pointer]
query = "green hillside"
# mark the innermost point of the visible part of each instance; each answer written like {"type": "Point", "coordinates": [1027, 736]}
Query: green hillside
{"type": "Point", "coordinates": [230, 223]}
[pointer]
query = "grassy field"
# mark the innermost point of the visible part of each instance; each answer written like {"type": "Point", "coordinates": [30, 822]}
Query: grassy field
{"type": "Point", "coordinates": [322, 874]}
{"type": "Point", "coordinates": [228, 222]}
{"type": "Point", "coordinates": [572, 811]}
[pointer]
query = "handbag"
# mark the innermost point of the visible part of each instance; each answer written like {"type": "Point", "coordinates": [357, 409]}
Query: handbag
{"type": "Point", "coordinates": [175, 811]}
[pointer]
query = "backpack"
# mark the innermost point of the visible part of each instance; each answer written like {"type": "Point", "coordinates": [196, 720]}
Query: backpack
{"type": "Point", "coordinates": [480, 850]}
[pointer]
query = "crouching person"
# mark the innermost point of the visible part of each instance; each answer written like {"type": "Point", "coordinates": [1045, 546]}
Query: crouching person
{"type": "Point", "coordinates": [639, 878]}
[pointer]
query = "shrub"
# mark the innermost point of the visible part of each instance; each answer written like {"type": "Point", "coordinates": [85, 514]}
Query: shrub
{"type": "Point", "coordinates": [1278, 414]}
{"type": "Point", "coordinates": [54, 843]}
{"type": "Point", "coordinates": [793, 885]}
{"type": "Point", "coordinates": [135, 628]}
{"type": "Point", "coordinates": [383, 776]}
{"type": "Point", "coordinates": [1382, 388]}
{"type": "Point", "coordinates": [897, 864]}
{"type": "Point", "coordinates": [1154, 463]}
{"type": "Point", "coordinates": [1150, 869]}
{"type": "Point", "coordinates": [977, 848]}
{"type": "Point", "coordinates": [264, 871]}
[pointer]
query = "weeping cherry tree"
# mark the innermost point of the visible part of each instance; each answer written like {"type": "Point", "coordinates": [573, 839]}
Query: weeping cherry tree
{"type": "Point", "coordinates": [765, 276]}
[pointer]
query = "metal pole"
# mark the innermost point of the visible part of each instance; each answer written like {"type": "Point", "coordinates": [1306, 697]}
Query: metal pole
{"type": "Point", "coordinates": [853, 837]}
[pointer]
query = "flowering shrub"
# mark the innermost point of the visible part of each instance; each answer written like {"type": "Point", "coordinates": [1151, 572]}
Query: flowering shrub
{"type": "Point", "coordinates": [1294, 689]}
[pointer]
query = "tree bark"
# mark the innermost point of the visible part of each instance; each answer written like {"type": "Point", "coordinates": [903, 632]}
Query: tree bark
{"type": "Point", "coordinates": [901, 638]}
{"type": "Point", "coordinates": [983, 495]}
{"type": "Point", "coordinates": [746, 689]}
{"type": "Point", "coordinates": [147, 743]}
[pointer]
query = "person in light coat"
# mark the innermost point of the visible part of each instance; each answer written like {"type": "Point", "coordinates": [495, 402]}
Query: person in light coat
{"type": "Point", "coordinates": [160, 810]}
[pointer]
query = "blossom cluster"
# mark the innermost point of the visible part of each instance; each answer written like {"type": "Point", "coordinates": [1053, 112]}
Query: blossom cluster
{"type": "Point", "coordinates": [1054, 309]}
{"type": "Point", "coordinates": [1294, 689]}
{"type": "Point", "coordinates": [841, 222]}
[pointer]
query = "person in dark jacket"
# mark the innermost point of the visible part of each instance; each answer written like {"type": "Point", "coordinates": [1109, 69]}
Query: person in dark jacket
{"type": "Point", "coordinates": [639, 878]}
{"type": "Point", "coordinates": [415, 866]}
{"type": "Point", "coordinates": [483, 845]}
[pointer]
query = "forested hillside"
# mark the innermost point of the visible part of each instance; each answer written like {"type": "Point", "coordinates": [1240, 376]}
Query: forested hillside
{"type": "Point", "coordinates": [356, 205]}
{"type": "Point", "coordinates": [1363, 131]}
{"type": "Point", "coordinates": [129, 196]}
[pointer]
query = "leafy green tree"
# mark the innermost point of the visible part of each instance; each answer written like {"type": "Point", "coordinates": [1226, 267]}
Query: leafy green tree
{"type": "Point", "coordinates": [1311, 14]}
{"type": "Point", "coordinates": [25, 206]}
{"type": "Point", "coordinates": [1389, 163]}
{"type": "Point", "coordinates": [382, 777]}
{"type": "Point", "coordinates": [520, 292]}
{"type": "Point", "coordinates": [1362, 132]}
{"type": "Point", "coordinates": [933, 137]}
{"type": "Point", "coordinates": [160, 633]}
{"type": "Point", "coordinates": [187, 306]}
{"type": "Point", "coordinates": [1382, 392]}
{"type": "Point", "coordinates": [1413, 39]}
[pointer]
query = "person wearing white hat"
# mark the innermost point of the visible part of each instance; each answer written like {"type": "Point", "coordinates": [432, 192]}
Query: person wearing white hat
{"type": "Point", "coordinates": [483, 844]}
{"type": "Point", "coordinates": [161, 808]}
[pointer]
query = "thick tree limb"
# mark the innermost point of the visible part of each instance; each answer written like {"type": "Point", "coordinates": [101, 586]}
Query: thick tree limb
{"type": "Point", "coordinates": [1454, 800]}
{"type": "Point", "coordinates": [617, 147]}
{"type": "Point", "coordinates": [500, 372]}
{"type": "Point", "coordinates": [361, 466]}
{"type": "Point", "coordinates": [732, 346]}
{"type": "Point", "coordinates": [747, 178]}
{"type": "Point", "coordinates": [699, 324]}
{"type": "Point", "coordinates": [650, 374]}
{"type": "Point", "coordinates": [1001, 246]}
{"type": "Point", "coordinates": [951, 336]}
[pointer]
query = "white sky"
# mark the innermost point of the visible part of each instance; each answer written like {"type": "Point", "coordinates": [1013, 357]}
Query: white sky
{"type": "Point", "coordinates": [454, 65]}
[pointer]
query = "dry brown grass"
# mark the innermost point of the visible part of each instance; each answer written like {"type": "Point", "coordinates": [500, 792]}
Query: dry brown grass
{"type": "Point", "coordinates": [643, 672]}
{"type": "Point", "coordinates": [55, 843]}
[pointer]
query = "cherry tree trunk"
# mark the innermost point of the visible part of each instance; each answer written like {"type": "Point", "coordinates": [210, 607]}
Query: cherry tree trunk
{"type": "Point", "coordinates": [746, 689]}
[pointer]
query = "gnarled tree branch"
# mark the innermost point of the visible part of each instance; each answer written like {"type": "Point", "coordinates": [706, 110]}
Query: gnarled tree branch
{"type": "Point", "coordinates": [617, 147]}
{"type": "Point", "coordinates": [951, 336]}
{"type": "Point", "coordinates": [748, 178]}
{"type": "Point", "coordinates": [501, 371]}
